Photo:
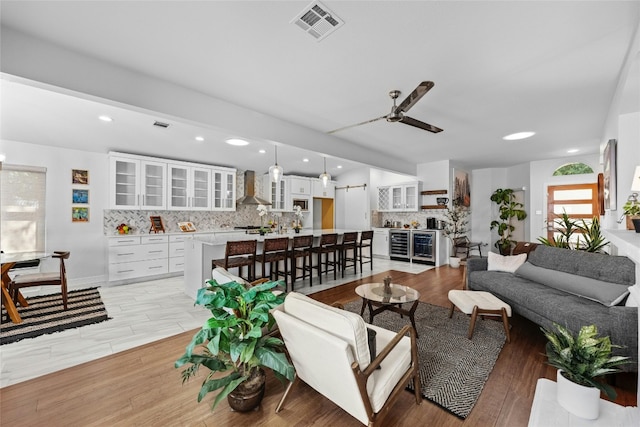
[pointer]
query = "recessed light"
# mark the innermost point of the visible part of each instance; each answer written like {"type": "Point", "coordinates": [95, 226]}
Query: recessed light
{"type": "Point", "coordinates": [518, 135]}
{"type": "Point", "coordinates": [199, 138]}
{"type": "Point", "coordinates": [105, 118]}
{"type": "Point", "coordinates": [573, 150]}
{"type": "Point", "coordinates": [262, 151]}
{"type": "Point", "coordinates": [237, 141]}
{"type": "Point", "coordinates": [305, 160]}
{"type": "Point", "coordinates": [339, 166]}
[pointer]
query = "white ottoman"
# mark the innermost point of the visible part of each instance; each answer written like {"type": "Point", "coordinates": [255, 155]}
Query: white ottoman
{"type": "Point", "coordinates": [480, 303]}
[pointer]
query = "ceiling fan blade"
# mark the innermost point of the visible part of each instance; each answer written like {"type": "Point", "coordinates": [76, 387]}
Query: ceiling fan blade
{"type": "Point", "coordinates": [417, 123]}
{"type": "Point", "coordinates": [414, 96]}
{"type": "Point", "coordinates": [357, 124]}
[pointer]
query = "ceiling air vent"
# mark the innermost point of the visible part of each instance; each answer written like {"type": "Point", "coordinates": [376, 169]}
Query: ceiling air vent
{"type": "Point", "coordinates": [316, 19]}
{"type": "Point", "coordinates": [161, 124]}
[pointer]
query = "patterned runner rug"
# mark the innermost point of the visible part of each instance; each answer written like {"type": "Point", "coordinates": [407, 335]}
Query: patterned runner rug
{"type": "Point", "coordinates": [453, 369]}
{"type": "Point", "coordinates": [45, 315]}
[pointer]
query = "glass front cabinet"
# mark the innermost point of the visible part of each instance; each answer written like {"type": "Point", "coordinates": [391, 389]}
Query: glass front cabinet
{"type": "Point", "coordinates": [189, 187]}
{"type": "Point", "coordinates": [399, 198]}
{"type": "Point", "coordinates": [224, 189]}
{"type": "Point", "coordinates": [137, 184]}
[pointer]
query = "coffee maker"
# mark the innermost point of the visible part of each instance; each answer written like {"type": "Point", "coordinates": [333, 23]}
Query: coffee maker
{"type": "Point", "coordinates": [431, 223]}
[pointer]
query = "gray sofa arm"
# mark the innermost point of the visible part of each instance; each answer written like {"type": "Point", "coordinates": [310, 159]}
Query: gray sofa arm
{"type": "Point", "coordinates": [476, 264]}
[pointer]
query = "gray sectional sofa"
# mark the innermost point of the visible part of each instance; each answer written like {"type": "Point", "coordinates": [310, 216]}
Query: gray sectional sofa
{"type": "Point", "coordinates": [564, 286]}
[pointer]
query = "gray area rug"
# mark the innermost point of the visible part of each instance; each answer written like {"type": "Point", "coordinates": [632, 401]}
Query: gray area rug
{"type": "Point", "coordinates": [453, 369]}
{"type": "Point", "coordinates": [46, 315]}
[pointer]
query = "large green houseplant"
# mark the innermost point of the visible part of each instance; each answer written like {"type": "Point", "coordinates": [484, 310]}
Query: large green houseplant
{"type": "Point", "coordinates": [235, 339]}
{"type": "Point", "coordinates": [508, 209]}
{"type": "Point", "coordinates": [583, 358]}
{"type": "Point", "coordinates": [589, 236]}
{"type": "Point", "coordinates": [455, 226]}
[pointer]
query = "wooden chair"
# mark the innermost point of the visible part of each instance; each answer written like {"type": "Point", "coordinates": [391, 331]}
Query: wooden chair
{"type": "Point", "coordinates": [237, 255]}
{"type": "Point", "coordinates": [273, 251]}
{"type": "Point", "coordinates": [463, 245]}
{"type": "Point", "coordinates": [366, 239]}
{"type": "Point", "coordinates": [300, 248]}
{"type": "Point", "coordinates": [329, 350]}
{"type": "Point", "coordinates": [349, 243]}
{"type": "Point", "coordinates": [54, 278]}
{"type": "Point", "coordinates": [328, 245]}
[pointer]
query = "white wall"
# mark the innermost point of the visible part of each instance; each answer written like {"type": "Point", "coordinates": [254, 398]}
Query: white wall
{"type": "Point", "coordinates": [85, 241]}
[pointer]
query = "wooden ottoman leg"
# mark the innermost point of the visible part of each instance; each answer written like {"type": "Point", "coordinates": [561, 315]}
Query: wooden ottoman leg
{"type": "Point", "coordinates": [472, 325]}
{"type": "Point", "coordinates": [505, 322]}
{"type": "Point", "coordinates": [451, 310]}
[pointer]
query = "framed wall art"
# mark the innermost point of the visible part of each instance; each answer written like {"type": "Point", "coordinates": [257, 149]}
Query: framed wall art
{"type": "Point", "coordinates": [79, 214]}
{"type": "Point", "coordinates": [610, 199]}
{"type": "Point", "coordinates": [80, 176]}
{"type": "Point", "coordinates": [79, 196]}
{"type": "Point", "coordinates": [461, 188]}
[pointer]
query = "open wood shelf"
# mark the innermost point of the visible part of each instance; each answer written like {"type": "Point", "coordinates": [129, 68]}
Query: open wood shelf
{"type": "Point", "coordinates": [433, 192]}
{"type": "Point", "coordinates": [433, 207]}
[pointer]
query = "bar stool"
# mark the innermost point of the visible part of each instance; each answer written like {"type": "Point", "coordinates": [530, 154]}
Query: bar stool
{"type": "Point", "coordinates": [237, 254]}
{"type": "Point", "coordinates": [366, 239]}
{"type": "Point", "coordinates": [349, 243]}
{"type": "Point", "coordinates": [273, 251]}
{"type": "Point", "coordinates": [300, 248]}
{"type": "Point", "coordinates": [328, 245]}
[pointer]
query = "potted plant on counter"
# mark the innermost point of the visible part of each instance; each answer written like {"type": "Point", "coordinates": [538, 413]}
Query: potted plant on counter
{"type": "Point", "coordinates": [297, 226]}
{"type": "Point", "coordinates": [508, 209]}
{"type": "Point", "coordinates": [455, 226]}
{"type": "Point", "coordinates": [632, 211]}
{"type": "Point", "coordinates": [262, 211]}
{"type": "Point", "coordinates": [581, 360]}
{"type": "Point", "coordinates": [235, 340]}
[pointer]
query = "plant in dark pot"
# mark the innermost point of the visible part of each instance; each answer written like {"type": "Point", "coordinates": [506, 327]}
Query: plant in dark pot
{"type": "Point", "coordinates": [235, 340]}
{"type": "Point", "coordinates": [581, 360]}
{"type": "Point", "coordinates": [508, 209]}
{"type": "Point", "coordinates": [631, 209]}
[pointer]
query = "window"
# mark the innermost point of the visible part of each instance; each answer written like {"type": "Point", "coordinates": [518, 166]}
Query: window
{"type": "Point", "coordinates": [22, 208]}
{"type": "Point", "coordinates": [573, 169]}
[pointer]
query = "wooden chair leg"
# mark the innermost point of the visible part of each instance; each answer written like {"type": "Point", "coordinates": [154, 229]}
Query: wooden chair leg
{"type": "Point", "coordinates": [472, 324]}
{"type": "Point", "coordinates": [451, 310]}
{"type": "Point", "coordinates": [505, 322]}
{"type": "Point", "coordinates": [286, 394]}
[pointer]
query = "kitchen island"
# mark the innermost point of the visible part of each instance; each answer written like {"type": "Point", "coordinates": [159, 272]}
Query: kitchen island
{"type": "Point", "coordinates": [205, 247]}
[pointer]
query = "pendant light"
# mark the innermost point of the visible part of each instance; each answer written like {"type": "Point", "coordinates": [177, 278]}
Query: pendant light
{"type": "Point", "coordinates": [275, 171]}
{"type": "Point", "coordinates": [324, 176]}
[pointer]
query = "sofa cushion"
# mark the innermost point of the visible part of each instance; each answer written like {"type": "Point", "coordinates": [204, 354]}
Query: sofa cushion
{"type": "Point", "coordinates": [606, 293]}
{"type": "Point", "coordinates": [612, 269]}
{"type": "Point", "coordinates": [510, 264]}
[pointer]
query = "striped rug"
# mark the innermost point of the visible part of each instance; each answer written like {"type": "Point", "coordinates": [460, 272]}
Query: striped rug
{"type": "Point", "coordinates": [453, 369]}
{"type": "Point", "coordinates": [45, 315]}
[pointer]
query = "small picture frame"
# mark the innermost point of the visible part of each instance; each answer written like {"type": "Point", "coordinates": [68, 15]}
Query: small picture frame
{"type": "Point", "coordinates": [79, 196]}
{"type": "Point", "coordinates": [156, 224]}
{"type": "Point", "coordinates": [80, 176]}
{"type": "Point", "coordinates": [186, 227]}
{"type": "Point", "coordinates": [79, 214]}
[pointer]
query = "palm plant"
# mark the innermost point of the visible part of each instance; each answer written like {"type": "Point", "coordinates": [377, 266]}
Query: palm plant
{"type": "Point", "coordinates": [583, 358]}
{"type": "Point", "coordinates": [594, 241]}
{"type": "Point", "coordinates": [233, 340]}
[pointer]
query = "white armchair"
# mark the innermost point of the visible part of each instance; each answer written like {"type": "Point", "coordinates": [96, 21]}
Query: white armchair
{"type": "Point", "coordinates": [330, 352]}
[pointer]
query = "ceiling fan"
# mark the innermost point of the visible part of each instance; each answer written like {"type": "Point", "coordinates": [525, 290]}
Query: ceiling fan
{"type": "Point", "coordinates": [397, 112]}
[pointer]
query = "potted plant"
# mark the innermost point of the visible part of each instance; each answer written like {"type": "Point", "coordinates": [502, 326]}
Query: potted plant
{"type": "Point", "coordinates": [632, 210]}
{"type": "Point", "coordinates": [594, 241]}
{"type": "Point", "coordinates": [262, 211]}
{"type": "Point", "coordinates": [581, 360]}
{"type": "Point", "coordinates": [297, 226]}
{"type": "Point", "coordinates": [508, 209]}
{"type": "Point", "coordinates": [455, 226]}
{"type": "Point", "coordinates": [234, 340]}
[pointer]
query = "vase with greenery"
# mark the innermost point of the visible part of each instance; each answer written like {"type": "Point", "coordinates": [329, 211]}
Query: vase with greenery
{"type": "Point", "coordinates": [588, 238]}
{"type": "Point", "coordinates": [262, 211]}
{"type": "Point", "coordinates": [508, 209]}
{"type": "Point", "coordinates": [455, 225]}
{"type": "Point", "coordinates": [583, 358]}
{"type": "Point", "coordinates": [631, 209]}
{"type": "Point", "coordinates": [235, 340]}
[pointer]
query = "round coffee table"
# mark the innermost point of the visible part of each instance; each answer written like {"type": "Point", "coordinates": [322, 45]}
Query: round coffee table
{"type": "Point", "coordinates": [374, 295]}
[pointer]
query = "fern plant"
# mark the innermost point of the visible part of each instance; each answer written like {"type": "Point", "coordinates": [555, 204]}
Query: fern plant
{"type": "Point", "coordinates": [583, 358]}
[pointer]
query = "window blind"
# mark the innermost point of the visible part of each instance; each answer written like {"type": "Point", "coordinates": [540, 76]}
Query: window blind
{"type": "Point", "coordinates": [22, 208]}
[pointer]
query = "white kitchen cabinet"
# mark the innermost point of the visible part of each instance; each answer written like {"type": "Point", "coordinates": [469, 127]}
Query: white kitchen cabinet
{"type": "Point", "coordinates": [276, 193]}
{"type": "Point", "coordinates": [299, 185]}
{"type": "Point", "coordinates": [399, 198]}
{"type": "Point", "coordinates": [176, 253]}
{"type": "Point", "coordinates": [189, 187]}
{"type": "Point", "coordinates": [380, 244]}
{"type": "Point", "coordinates": [136, 183]}
{"type": "Point", "coordinates": [320, 191]}
{"type": "Point", "coordinates": [132, 257]}
{"type": "Point", "coordinates": [224, 189]}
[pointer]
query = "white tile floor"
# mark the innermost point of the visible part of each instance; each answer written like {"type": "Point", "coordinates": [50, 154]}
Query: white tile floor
{"type": "Point", "coordinates": [140, 313]}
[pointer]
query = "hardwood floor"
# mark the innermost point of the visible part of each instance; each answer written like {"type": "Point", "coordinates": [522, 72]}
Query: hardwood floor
{"type": "Point", "coordinates": [141, 387]}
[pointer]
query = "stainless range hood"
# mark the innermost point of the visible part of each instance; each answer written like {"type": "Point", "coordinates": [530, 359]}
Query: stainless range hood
{"type": "Point", "coordinates": [249, 197]}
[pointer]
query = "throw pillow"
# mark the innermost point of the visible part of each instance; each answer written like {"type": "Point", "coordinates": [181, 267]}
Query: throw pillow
{"type": "Point", "coordinates": [606, 293]}
{"type": "Point", "coordinates": [509, 264]}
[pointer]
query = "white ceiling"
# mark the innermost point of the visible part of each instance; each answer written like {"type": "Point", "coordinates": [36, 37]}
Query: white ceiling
{"type": "Point", "coordinates": [498, 68]}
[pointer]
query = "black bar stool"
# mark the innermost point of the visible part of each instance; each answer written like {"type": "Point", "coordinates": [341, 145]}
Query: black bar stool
{"type": "Point", "coordinates": [238, 254]}
{"type": "Point", "coordinates": [328, 245]}
{"type": "Point", "coordinates": [300, 248]}
{"type": "Point", "coordinates": [273, 251]}
{"type": "Point", "coordinates": [366, 239]}
{"type": "Point", "coordinates": [349, 243]}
